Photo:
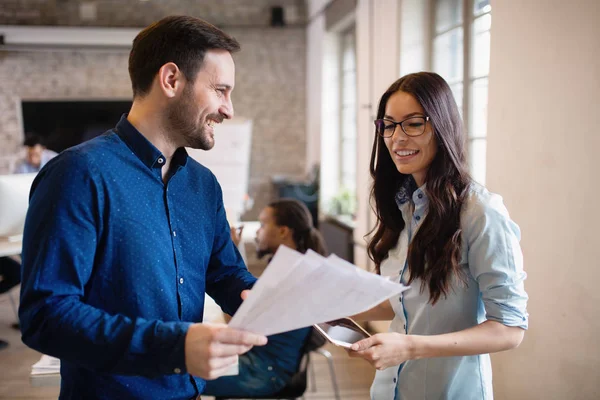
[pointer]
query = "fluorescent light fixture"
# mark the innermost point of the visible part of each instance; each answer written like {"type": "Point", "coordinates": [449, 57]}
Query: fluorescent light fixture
{"type": "Point", "coordinates": [51, 37]}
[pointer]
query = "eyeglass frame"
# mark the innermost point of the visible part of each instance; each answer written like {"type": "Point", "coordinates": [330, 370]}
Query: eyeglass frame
{"type": "Point", "coordinates": [425, 117]}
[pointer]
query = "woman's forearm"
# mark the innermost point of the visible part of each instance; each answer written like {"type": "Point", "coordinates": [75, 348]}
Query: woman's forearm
{"type": "Point", "coordinates": [381, 312]}
{"type": "Point", "coordinates": [488, 337]}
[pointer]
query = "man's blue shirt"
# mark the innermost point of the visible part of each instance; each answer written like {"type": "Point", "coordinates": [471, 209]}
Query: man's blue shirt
{"type": "Point", "coordinates": [116, 264]}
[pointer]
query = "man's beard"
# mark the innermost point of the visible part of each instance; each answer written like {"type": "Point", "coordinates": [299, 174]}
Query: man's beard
{"type": "Point", "coordinates": [181, 122]}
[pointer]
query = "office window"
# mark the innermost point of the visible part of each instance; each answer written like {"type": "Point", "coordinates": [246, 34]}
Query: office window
{"type": "Point", "coordinates": [348, 117]}
{"type": "Point", "coordinates": [448, 53]}
{"type": "Point", "coordinates": [461, 54]}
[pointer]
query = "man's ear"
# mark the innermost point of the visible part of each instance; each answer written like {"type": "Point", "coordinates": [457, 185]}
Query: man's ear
{"type": "Point", "coordinates": [285, 231]}
{"type": "Point", "coordinates": [170, 79]}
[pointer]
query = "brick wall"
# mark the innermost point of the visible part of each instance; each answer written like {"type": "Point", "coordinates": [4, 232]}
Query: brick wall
{"type": "Point", "coordinates": [132, 13]}
{"type": "Point", "coordinates": [270, 89]}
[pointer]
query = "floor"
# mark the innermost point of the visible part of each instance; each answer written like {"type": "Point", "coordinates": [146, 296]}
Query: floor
{"type": "Point", "coordinates": [354, 376]}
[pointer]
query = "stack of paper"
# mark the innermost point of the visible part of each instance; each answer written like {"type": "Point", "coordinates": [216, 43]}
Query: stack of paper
{"type": "Point", "coordinates": [299, 290]}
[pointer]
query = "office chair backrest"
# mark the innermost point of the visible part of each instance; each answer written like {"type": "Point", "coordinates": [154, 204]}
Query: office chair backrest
{"type": "Point", "coordinates": [314, 341]}
{"type": "Point", "coordinates": [299, 382]}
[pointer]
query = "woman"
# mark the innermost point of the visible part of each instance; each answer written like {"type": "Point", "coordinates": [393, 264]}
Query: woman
{"type": "Point", "coordinates": [448, 238]}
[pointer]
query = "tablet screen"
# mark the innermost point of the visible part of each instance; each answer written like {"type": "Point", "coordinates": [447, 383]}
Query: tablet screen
{"type": "Point", "coordinates": [343, 332]}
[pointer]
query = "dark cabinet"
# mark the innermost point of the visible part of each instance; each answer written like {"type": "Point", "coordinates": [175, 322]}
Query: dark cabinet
{"type": "Point", "coordinates": [339, 237]}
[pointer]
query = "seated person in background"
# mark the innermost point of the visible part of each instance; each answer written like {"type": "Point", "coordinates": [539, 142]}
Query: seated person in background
{"type": "Point", "coordinates": [266, 370]}
{"type": "Point", "coordinates": [36, 157]}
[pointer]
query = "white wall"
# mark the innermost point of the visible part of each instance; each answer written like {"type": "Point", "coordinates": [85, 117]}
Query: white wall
{"type": "Point", "coordinates": [323, 100]}
{"type": "Point", "coordinates": [377, 68]}
{"type": "Point", "coordinates": [543, 143]}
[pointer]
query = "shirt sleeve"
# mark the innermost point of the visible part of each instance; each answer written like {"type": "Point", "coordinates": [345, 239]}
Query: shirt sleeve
{"type": "Point", "coordinates": [61, 239]}
{"type": "Point", "coordinates": [227, 274]}
{"type": "Point", "coordinates": [496, 261]}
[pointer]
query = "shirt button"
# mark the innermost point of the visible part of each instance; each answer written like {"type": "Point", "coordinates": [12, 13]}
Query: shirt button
{"type": "Point", "coordinates": [420, 195]}
{"type": "Point", "coordinates": [160, 160]}
{"type": "Point", "coordinates": [273, 379]}
{"type": "Point", "coordinates": [417, 218]}
{"type": "Point", "coordinates": [181, 280]}
{"type": "Point", "coordinates": [174, 233]}
{"type": "Point", "coordinates": [394, 380]}
{"type": "Point", "coordinates": [177, 370]}
{"type": "Point", "coordinates": [270, 368]}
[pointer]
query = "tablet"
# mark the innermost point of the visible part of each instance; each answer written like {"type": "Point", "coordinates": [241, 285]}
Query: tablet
{"type": "Point", "coordinates": [342, 332]}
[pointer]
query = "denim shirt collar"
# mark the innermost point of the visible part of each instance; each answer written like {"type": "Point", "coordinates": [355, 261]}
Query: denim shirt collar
{"type": "Point", "coordinates": [144, 150]}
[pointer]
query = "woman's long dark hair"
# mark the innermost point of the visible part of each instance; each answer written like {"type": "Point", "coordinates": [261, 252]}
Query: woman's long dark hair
{"type": "Point", "coordinates": [295, 215]}
{"type": "Point", "coordinates": [434, 253]}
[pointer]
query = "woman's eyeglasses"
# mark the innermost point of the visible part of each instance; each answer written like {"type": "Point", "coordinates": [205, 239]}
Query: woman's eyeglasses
{"type": "Point", "coordinates": [413, 126]}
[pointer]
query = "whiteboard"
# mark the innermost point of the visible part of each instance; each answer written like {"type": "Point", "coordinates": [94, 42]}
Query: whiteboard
{"type": "Point", "coordinates": [229, 160]}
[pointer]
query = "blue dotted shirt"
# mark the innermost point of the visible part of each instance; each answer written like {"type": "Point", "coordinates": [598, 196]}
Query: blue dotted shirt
{"type": "Point", "coordinates": [116, 264]}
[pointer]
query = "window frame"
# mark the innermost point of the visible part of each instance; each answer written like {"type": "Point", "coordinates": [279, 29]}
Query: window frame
{"type": "Point", "coordinates": [468, 80]}
{"type": "Point", "coordinates": [344, 177]}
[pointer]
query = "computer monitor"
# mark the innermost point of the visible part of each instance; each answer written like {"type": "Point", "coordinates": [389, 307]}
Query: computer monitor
{"type": "Point", "coordinates": [14, 200]}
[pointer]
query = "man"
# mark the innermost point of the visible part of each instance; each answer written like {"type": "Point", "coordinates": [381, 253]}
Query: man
{"type": "Point", "coordinates": [125, 233]}
{"type": "Point", "coordinates": [36, 156]}
{"type": "Point", "coordinates": [267, 369]}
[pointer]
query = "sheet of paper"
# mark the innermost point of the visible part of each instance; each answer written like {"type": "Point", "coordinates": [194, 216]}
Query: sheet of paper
{"type": "Point", "coordinates": [297, 291]}
{"type": "Point", "coordinates": [46, 365]}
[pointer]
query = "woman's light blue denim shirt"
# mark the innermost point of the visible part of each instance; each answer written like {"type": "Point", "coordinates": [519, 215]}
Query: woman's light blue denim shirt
{"type": "Point", "coordinates": [493, 262]}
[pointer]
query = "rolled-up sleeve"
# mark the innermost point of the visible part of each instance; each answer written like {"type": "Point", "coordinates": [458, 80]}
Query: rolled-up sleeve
{"type": "Point", "coordinates": [496, 261]}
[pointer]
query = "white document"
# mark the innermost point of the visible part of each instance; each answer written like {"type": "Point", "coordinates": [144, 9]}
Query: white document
{"type": "Point", "coordinates": [46, 365]}
{"type": "Point", "coordinates": [298, 290]}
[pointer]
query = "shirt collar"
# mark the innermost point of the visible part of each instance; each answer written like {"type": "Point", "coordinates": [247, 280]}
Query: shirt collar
{"type": "Point", "coordinates": [144, 150]}
{"type": "Point", "coordinates": [409, 190]}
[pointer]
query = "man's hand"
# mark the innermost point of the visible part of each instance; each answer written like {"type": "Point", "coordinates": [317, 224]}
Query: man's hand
{"type": "Point", "coordinates": [211, 349]}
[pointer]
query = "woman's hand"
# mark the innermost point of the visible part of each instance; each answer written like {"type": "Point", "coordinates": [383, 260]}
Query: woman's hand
{"type": "Point", "coordinates": [384, 350]}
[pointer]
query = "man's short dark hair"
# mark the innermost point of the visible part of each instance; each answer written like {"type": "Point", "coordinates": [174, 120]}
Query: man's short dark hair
{"type": "Point", "coordinates": [32, 140]}
{"type": "Point", "coordinates": [182, 40]}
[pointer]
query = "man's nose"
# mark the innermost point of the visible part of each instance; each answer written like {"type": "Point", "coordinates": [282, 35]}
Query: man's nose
{"type": "Point", "coordinates": [226, 109]}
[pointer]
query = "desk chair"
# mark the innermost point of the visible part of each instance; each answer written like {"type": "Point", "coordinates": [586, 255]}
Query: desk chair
{"type": "Point", "coordinates": [10, 276]}
{"type": "Point", "coordinates": [297, 386]}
